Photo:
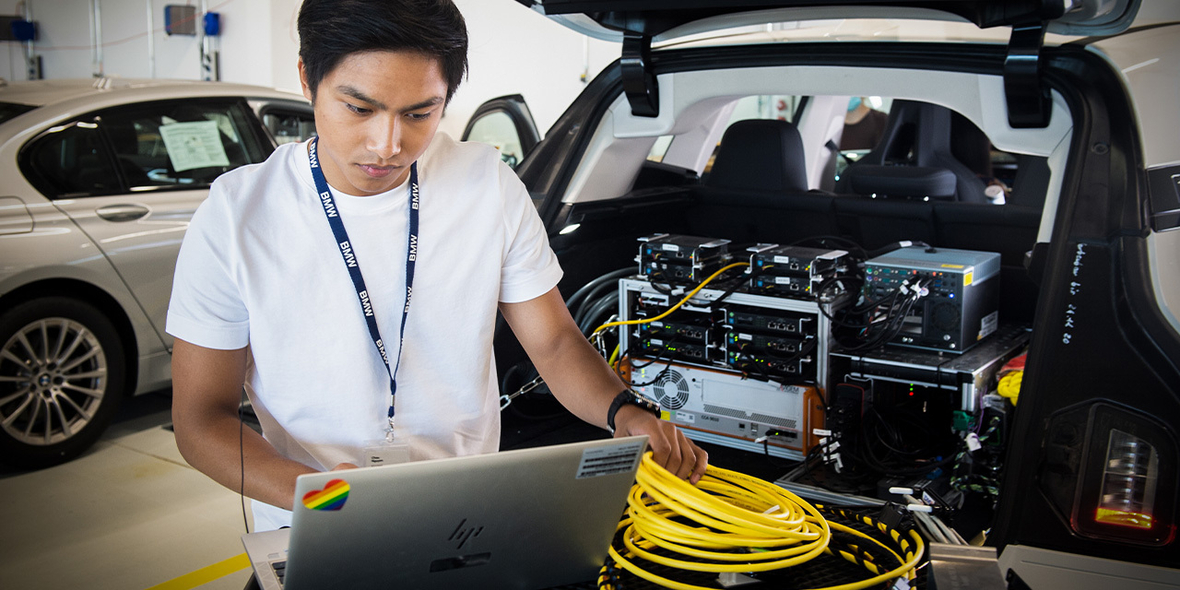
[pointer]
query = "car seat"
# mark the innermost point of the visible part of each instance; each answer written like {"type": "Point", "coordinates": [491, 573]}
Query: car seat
{"type": "Point", "coordinates": [757, 189]}
{"type": "Point", "coordinates": [918, 135]}
{"type": "Point", "coordinates": [760, 155]}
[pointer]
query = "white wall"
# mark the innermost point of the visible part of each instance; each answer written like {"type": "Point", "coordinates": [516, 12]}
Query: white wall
{"type": "Point", "coordinates": [517, 51]}
{"type": "Point", "coordinates": [513, 50]}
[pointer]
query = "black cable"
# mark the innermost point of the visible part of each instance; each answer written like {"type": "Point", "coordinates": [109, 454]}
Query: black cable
{"type": "Point", "coordinates": [887, 248]}
{"type": "Point", "coordinates": [837, 280]}
{"type": "Point", "coordinates": [616, 274]}
{"type": "Point", "coordinates": [742, 279]}
{"type": "Point", "coordinates": [662, 289]}
{"type": "Point", "coordinates": [657, 359]}
{"type": "Point", "coordinates": [242, 459]}
{"type": "Point", "coordinates": [894, 317]}
{"type": "Point", "coordinates": [598, 307]}
{"type": "Point", "coordinates": [594, 295]}
{"type": "Point", "coordinates": [823, 240]}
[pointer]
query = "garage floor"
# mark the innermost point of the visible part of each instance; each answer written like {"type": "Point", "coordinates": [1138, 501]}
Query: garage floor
{"type": "Point", "coordinates": [130, 514]}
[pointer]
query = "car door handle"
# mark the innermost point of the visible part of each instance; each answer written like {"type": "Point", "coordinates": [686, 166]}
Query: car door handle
{"type": "Point", "coordinates": [122, 212]}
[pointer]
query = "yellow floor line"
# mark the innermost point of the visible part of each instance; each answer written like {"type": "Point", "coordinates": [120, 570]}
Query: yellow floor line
{"type": "Point", "coordinates": [206, 574]}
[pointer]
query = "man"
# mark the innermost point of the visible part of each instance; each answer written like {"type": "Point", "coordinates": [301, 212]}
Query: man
{"type": "Point", "coordinates": [292, 270]}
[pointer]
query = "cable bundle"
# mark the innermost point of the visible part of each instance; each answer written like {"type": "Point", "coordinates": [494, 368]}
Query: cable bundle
{"type": "Point", "coordinates": [730, 522]}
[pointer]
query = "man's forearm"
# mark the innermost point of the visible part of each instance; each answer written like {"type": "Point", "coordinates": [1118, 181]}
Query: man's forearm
{"type": "Point", "coordinates": [580, 378]}
{"type": "Point", "coordinates": [206, 391]}
{"type": "Point", "coordinates": [213, 448]}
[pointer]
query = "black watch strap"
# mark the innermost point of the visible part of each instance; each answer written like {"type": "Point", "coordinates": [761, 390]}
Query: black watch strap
{"type": "Point", "coordinates": [628, 397]}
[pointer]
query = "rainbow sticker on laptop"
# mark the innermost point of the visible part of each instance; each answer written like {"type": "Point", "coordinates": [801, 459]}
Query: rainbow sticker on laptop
{"type": "Point", "coordinates": [332, 497]}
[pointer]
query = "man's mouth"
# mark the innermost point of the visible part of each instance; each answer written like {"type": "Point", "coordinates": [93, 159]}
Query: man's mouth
{"type": "Point", "coordinates": [375, 171]}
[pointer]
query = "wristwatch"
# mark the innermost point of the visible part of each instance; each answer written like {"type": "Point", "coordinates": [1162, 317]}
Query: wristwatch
{"type": "Point", "coordinates": [628, 396]}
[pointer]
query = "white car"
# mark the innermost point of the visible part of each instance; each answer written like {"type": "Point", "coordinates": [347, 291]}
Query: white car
{"type": "Point", "coordinates": [1044, 131]}
{"type": "Point", "coordinates": [100, 179]}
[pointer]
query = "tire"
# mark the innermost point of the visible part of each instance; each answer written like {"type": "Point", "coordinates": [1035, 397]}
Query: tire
{"type": "Point", "coordinates": [62, 376]}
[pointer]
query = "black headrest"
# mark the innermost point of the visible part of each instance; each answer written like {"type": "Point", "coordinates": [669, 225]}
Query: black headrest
{"type": "Point", "coordinates": [900, 181]}
{"type": "Point", "coordinates": [919, 134]}
{"type": "Point", "coordinates": [760, 154]}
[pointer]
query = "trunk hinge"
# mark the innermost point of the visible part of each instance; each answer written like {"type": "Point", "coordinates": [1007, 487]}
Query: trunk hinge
{"type": "Point", "coordinates": [643, 92]}
{"type": "Point", "coordinates": [1029, 103]}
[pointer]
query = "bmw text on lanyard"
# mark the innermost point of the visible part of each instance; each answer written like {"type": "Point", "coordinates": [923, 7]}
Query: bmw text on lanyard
{"type": "Point", "coordinates": [354, 270]}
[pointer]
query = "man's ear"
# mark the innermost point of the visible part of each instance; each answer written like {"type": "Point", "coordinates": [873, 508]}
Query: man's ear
{"type": "Point", "coordinates": [307, 93]}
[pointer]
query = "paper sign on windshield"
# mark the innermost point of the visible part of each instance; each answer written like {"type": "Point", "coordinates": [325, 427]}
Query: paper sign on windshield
{"type": "Point", "coordinates": [194, 144]}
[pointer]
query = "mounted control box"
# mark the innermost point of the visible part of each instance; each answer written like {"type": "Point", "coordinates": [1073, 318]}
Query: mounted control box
{"type": "Point", "coordinates": [962, 300]}
{"type": "Point", "coordinates": [794, 271]}
{"type": "Point", "coordinates": [680, 260]}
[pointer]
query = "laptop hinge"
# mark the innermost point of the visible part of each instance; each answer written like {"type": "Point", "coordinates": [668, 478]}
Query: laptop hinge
{"type": "Point", "coordinates": [643, 92]}
{"type": "Point", "coordinates": [1029, 103]}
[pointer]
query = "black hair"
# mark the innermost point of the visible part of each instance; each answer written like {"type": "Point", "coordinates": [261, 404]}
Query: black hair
{"type": "Point", "coordinates": [331, 30]}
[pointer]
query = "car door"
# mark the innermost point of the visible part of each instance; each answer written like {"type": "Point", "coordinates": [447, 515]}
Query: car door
{"type": "Point", "coordinates": [131, 178]}
{"type": "Point", "coordinates": [506, 124]}
{"type": "Point", "coordinates": [286, 121]}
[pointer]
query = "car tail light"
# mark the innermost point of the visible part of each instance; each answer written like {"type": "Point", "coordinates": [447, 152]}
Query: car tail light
{"type": "Point", "coordinates": [1127, 497]}
{"type": "Point", "coordinates": [1111, 473]}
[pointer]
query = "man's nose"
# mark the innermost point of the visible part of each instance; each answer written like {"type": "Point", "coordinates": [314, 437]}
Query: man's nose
{"type": "Point", "coordinates": [386, 141]}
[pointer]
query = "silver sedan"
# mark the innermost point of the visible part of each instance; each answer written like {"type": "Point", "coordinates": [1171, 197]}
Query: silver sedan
{"type": "Point", "coordinates": [100, 179]}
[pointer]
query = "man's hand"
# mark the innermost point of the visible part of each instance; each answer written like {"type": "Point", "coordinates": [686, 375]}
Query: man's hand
{"type": "Point", "coordinates": [670, 448]}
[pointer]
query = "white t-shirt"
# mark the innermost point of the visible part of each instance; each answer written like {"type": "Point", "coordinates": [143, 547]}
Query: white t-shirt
{"type": "Point", "coordinates": [260, 267]}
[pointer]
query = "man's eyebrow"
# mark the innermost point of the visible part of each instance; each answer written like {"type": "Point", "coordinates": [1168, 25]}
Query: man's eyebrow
{"type": "Point", "coordinates": [361, 96]}
{"type": "Point", "coordinates": [426, 103]}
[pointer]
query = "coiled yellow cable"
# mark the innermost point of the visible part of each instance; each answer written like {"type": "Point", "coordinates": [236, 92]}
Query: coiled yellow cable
{"type": "Point", "coordinates": [731, 522]}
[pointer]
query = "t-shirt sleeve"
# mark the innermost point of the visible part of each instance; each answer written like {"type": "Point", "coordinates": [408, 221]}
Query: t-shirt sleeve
{"type": "Point", "coordinates": [530, 268]}
{"type": "Point", "coordinates": [206, 307]}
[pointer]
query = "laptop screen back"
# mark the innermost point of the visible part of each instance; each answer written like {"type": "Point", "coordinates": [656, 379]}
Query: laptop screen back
{"type": "Point", "coordinates": [527, 519]}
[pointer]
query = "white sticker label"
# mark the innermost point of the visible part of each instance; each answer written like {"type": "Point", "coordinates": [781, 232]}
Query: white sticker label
{"type": "Point", "coordinates": [196, 144]}
{"type": "Point", "coordinates": [988, 324]}
{"type": "Point", "coordinates": [686, 417]}
{"type": "Point", "coordinates": [782, 259]}
{"type": "Point", "coordinates": [745, 336]}
{"type": "Point", "coordinates": [620, 458]}
{"type": "Point", "coordinates": [821, 432]}
{"type": "Point", "coordinates": [671, 247]}
{"type": "Point", "coordinates": [782, 280]}
{"type": "Point", "coordinates": [657, 342]}
{"type": "Point", "coordinates": [657, 324]}
{"type": "Point", "coordinates": [927, 499]}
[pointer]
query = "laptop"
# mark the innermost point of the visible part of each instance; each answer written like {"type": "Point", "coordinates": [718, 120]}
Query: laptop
{"type": "Point", "coordinates": [526, 519]}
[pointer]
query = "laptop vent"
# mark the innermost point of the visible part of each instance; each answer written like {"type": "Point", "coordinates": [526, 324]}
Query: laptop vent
{"type": "Point", "coordinates": [671, 389]}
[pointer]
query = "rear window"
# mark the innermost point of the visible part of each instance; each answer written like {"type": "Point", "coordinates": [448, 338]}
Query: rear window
{"type": "Point", "coordinates": [9, 110]}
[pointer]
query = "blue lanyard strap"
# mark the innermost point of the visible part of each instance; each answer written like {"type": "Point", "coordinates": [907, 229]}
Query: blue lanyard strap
{"type": "Point", "coordinates": [354, 270]}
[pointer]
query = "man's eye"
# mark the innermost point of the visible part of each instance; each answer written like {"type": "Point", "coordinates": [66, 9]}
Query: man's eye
{"type": "Point", "coordinates": [356, 109]}
{"type": "Point", "coordinates": [418, 116]}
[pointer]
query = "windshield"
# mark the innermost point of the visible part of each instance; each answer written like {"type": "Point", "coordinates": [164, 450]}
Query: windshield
{"type": "Point", "coordinates": [8, 110]}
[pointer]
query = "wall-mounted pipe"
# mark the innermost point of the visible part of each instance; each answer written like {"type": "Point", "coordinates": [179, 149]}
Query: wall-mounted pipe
{"type": "Point", "coordinates": [96, 38]}
{"type": "Point", "coordinates": [32, 66]}
{"type": "Point", "coordinates": [151, 39]}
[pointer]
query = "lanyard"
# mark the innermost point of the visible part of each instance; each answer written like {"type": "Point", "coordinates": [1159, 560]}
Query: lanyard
{"type": "Point", "coordinates": [354, 270]}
